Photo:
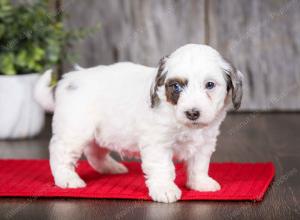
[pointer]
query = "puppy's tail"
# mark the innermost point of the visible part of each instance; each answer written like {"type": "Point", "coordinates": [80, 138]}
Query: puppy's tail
{"type": "Point", "coordinates": [43, 92]}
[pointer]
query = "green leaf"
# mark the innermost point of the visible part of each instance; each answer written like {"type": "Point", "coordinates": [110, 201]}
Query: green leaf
{"type": "Point", "coordinates": [38, 53]}
{"type": "Point", "coordinates": [21, 58]}
{"type": "Point", "coordinates": [7, 64]}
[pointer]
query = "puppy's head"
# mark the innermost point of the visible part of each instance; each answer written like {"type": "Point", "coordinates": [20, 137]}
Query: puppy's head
{"type": "Point", "coordinates": [196, 82]}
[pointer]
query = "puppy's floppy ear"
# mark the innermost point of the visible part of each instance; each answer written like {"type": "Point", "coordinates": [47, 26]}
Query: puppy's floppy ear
{"type": "Point", "coordinates": [158, 81]}
{"type": "Point", "coordinates": [235, 84]}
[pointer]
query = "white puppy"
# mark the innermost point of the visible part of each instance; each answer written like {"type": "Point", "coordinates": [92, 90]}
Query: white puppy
{"type": "Point", "coordinates": [174, 110]}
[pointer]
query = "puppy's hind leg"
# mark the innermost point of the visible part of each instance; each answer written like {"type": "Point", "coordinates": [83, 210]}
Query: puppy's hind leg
{"type": "Point", "coordinates": [64, 155]}
{"type": "Point", "coordinates": [101, 161]}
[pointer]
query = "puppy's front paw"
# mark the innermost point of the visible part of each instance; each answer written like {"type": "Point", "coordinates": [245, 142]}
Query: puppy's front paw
{"type": "Point", "coordinates": [69, 180]}
{"type": "Point", "coordinates": [166, 193]}
{"type": "Point", "coordinates": [204, 184]}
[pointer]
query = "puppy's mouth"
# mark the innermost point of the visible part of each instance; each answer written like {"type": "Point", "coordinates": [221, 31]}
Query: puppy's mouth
{"type": "Point", "coordinates": [196, 125]}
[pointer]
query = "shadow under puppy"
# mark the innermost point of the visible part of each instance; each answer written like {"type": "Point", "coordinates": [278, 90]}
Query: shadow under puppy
{"type": "Point", "coordinates": [174, 110]}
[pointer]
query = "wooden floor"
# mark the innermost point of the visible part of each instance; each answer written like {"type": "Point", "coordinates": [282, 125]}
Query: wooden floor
{"type": "Point", "coordinates": [245, 137]}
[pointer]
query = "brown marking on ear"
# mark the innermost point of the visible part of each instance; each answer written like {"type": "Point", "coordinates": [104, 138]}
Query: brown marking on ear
{"type": "Point", "coordinates": [159, 81]}
{"type": "Point", "coordinates": [235, 85]}
{"type": "Point", "coordinates": [171, 95]}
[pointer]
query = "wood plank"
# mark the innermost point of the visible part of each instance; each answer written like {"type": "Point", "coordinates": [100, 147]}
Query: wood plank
{"type": "Point", "coordinates": [134, 30]}
{"type": "Point", "coordinates": [263, 39]}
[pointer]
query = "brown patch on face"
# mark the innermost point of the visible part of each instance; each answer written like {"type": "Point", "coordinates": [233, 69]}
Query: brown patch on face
{"type": "Point", "coordinates": [171, 94]}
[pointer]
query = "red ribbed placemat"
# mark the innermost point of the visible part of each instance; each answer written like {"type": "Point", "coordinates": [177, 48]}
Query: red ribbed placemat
{"type": "Point", "coordinates": [32, 178]}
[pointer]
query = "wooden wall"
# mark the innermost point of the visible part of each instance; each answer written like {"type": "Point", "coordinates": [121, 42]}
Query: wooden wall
{"type": "Point", "coordinates": [262, 38]}
{"type": "Point", "coordinates": [137, 30]}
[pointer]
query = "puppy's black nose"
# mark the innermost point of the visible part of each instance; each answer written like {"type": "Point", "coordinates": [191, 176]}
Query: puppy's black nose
{"type": "Point", "coordinates": [192, 114]}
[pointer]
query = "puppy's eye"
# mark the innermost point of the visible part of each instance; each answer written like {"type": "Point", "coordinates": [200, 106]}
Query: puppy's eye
{"type": "Point", "coordinates": [210, 85]}
{"type": "Point", "coordinates": [177, 88]}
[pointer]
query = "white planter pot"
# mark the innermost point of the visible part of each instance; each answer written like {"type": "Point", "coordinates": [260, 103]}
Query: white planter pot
{"type": "Point", "coordinates": [20, 115]}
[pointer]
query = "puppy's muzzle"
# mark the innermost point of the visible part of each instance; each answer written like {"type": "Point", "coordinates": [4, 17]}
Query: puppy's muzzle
{"type": "Point", "coordinates": [192, 114]}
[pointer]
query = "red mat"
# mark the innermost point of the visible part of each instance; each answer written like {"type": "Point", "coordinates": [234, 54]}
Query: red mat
{"type": "Point", "coordinates": [32, 178]}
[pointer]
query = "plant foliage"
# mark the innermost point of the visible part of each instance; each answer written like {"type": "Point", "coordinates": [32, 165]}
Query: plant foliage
{"type": "Point", "coordinates": [32, 38]}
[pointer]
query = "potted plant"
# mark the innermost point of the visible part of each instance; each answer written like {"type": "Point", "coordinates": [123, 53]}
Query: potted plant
{"type": "Point", "coordinates": [32, 39]}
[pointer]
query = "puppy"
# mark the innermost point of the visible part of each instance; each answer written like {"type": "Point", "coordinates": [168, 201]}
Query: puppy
{"type": "Point", "coordinates": [172, 111]}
